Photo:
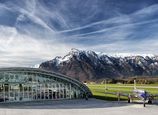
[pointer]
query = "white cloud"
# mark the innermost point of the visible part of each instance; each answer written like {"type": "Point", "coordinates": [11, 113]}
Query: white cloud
{"type": "Point", "coordinates": [109, 36]}
{"type": "Point", "coordinates": [21, 50]}
{"type": "Point", "coordinates": [131, 47]}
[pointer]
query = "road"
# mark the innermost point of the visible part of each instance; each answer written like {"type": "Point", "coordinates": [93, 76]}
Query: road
{"type": "Point", "coordinates": [78, 107]}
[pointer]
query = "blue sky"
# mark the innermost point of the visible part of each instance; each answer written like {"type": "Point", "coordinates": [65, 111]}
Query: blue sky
{"type": "Point", "coordinates": [32, 31]}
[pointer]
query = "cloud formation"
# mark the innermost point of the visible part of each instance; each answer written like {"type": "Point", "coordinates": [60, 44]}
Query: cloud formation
{"type": "Point", "coordinates": [22, 50]}
{"type": "Point", "coordinates": [32, 31]}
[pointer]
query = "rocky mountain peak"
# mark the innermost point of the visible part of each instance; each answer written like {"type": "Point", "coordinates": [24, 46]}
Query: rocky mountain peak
{"type": "Point", "coordinates": [89, 65]}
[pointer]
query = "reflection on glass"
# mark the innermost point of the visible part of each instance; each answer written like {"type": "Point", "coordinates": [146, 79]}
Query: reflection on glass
{"type": "Point", "coordinates": [23, 87]}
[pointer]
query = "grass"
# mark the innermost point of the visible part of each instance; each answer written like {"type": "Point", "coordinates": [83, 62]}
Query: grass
{"type": "Point", "coordinates": [98, 90]}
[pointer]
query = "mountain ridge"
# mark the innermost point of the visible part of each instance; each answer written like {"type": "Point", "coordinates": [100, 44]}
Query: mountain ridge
{"type": "Point", "coordinates": [89, 65]}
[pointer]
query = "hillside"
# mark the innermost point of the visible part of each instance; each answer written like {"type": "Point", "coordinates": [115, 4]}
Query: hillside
{"type": "Point", "coordinates": [89, 65]}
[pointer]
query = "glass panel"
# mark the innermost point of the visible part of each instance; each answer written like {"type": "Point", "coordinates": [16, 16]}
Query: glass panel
{"type": "Point", "coordinates": [28, 86]}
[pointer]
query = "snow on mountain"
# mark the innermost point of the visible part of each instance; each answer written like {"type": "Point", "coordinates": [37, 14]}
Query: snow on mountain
{"type": "Point", "coordinates": [124, 54]}
{"type": "Point", "coordinates": [35, 66]}
{"type": "Point", "coordinates": [100, 55]}
{"type": "Point", "coordinates": [90, 65]}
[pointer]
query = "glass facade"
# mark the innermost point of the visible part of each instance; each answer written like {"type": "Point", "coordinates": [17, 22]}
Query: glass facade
{"type": "Point", "coordinates": [27, 86]}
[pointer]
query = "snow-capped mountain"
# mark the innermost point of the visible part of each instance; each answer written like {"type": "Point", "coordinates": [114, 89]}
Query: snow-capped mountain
{"type": "Point", "coordinates": [88, 65]}
{"type": "Point", "coordinates": [35, 66]}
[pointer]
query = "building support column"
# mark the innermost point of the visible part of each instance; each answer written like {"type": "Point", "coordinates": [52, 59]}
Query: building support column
{"type": "Point", "coordinates": [8, 93]}
{"type": "Point", "coordinates": [44, 91]}
{"type": "Point", "coordinates": [23, 91]}
{"type": "Point", "coordinates": [59, 91]}
{"type": "Point", "coordinates": [48, 90]}
{"type": "Point", "coordinates": [32, 91]}
{"type": "Point", "coordinates": [4, 92]}
{"type": "Point", "coordinates": [70, 90]}
{"type": "Point", "coordinates": [28, 92]}
{"type": "Point", "coordinates": [39, 91]}
{"type": "Point", "coordinates": [56, 91]}
{"type": "Point", "coordinates": [52, 90]}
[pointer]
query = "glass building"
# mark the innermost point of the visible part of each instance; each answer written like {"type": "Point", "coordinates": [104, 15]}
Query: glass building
{"type": "Point", "coordinates": [28, 84]}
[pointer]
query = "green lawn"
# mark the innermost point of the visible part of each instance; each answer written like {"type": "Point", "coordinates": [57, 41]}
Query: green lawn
{"type": "Point", "coordinates": [98, 90]}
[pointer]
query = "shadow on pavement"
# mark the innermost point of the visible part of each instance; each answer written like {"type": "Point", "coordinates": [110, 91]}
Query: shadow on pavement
{"type": "Point", "coordinates": [64, 104]}
{"type": "Point", "coordinates": [67, 104]}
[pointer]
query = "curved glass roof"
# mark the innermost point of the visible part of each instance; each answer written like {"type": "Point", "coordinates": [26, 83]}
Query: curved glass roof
{"type": "Point", "coordinates": [47, 73]}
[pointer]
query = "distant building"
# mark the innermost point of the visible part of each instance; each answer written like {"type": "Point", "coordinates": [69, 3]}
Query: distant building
{"type": "Point", "coordinates": [28, 84]}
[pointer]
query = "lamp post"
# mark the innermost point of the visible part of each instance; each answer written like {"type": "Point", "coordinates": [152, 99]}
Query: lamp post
{"type": "Point", "coordinates": [134, 83]}
{"type": "Point", "coordinates": [105, 85]}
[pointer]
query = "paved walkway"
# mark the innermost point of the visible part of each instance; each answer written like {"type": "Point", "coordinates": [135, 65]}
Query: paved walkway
{"type": "Point", "coordinates": [77, 107]}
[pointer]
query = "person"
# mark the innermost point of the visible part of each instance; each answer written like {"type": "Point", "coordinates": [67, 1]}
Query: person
{"type": "Point", "coordinates": [129, 98]}
{"type": "Point", "coordinates": [86, 97]}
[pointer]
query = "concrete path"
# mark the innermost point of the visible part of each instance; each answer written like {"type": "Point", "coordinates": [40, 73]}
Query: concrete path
{"type": "Point", "coordinates": [77, 107]}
